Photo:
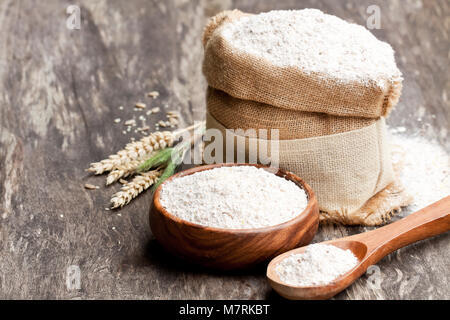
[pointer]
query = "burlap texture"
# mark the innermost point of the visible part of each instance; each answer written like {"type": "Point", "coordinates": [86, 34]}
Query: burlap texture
{"type": "Point", "coordinates": [248, 77]}
{"type": "Point", "coordinates": [345, 169]}
{"type": "Point", "coordinates": [377, 210]}
{"type": "Point", "coordinates": [236, 113]}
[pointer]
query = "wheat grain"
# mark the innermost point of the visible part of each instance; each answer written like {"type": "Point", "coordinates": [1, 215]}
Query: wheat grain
{"type": "Point", "coordinates": [90, 186]}
{"type": "Point", "coordinates": [130, 123]}
{"type": "Point", "coordinates": [134, 151]}
{"type": "Point", "coordinates": [141, 129]}
{"type": "Point", "coordinates": [140, 105]}
{"type": "Point", "coordinates": [132, 189]}
{"type": "Point", "coordinates": [153, 94]}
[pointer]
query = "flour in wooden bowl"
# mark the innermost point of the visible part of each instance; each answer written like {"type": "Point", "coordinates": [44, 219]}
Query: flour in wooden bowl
{"type": "Point", "coordinates": [237, 197]}
{"type": "Point", "coordinates": [320, 264]}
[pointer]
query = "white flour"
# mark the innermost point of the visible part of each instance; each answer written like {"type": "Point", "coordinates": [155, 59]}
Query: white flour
{"type": "Point", "coordinates": [236, 197]}
{"type": "Point", "coordinates": [425, 167]}
{"type": "Point", "coordinates": [316, 43]}
{"type": "Point", "coordinates": [320, 264]}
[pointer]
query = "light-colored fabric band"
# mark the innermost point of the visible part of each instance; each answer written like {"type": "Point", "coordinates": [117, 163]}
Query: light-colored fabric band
{"type": "Point", "coordinates": [236, 113]}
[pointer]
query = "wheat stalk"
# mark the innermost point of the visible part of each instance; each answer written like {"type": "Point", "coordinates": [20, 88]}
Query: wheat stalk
{"type": "Point", "coordinates": [122, 171]}
{"type": "Point", "coordinates": [134, 151]}
{"type": "Point", "coordinates": [110, 163]}
{"type": "Point", "coordinates": [156, 159]}
{"type": "Point", "coordinates": [133, 188]}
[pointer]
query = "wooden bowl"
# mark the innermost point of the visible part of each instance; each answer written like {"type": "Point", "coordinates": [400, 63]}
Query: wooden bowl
{"type": "Point", "coordinates": [228, 249]}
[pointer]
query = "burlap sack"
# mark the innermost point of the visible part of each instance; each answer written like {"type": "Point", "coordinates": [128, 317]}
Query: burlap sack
{"type": "Point", "coordinates": [248, 77]}
{"type": "Point", "coordinates": [236, 113]}
{"type": "Point", "coordinates": [346, 170]}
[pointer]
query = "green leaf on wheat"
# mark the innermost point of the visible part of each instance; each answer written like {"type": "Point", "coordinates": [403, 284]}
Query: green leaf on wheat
{"type": "Point", "coordinates": [168, 172]}
{"type": "Point", "coordinates": [158, 159]}
{"type": "Point", "coordinates": [174, 161]}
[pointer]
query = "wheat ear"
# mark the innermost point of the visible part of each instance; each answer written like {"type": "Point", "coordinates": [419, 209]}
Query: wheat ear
{"type": "Point", "coordinates": [134, 151]}
{"type": "Point", "coordinates": [133, 188]}
{"type": "Point", "coordinates": [122, 171]}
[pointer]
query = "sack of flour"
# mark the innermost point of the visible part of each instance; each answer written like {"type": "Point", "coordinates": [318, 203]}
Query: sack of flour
{"type": "Point", "coordinates": [301, 60]}
{"type": "Point", "coordinates": [321, 88]}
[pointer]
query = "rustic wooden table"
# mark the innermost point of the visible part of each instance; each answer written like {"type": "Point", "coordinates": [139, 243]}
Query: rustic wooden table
{"type": "Point", "coordinates": [60, 90]}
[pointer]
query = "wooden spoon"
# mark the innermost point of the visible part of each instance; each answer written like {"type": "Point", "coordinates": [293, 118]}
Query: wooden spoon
{"type": "Point", "coordinates": [369, 247]}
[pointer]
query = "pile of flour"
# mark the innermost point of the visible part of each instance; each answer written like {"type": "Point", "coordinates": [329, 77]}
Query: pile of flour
{"type": "Point", "coordinates": [237, 197]}
{"type": "Point", "coordinates": [425, 167]}
{"type": "Point", "coordinates": [320, 264]}
{"type": "Point", "coordinates": [316, 43]}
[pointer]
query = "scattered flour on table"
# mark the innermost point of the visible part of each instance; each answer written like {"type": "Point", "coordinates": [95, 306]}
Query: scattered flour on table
{"type": "Point", "coordinates": [238, 197]}
{"type": "Point", "coordinates": [316, 43]}
{"type": "Point", "coordinates": [425, 168]}
{"type": "Point", "coordinates": [320, 264]}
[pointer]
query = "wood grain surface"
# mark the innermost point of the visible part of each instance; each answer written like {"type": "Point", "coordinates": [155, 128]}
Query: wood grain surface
{"type": "Point", "coordinates": [60, 90]}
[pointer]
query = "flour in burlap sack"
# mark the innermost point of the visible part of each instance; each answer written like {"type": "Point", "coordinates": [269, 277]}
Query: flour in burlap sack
{"type": "Point", "coordinates": [302, 60]}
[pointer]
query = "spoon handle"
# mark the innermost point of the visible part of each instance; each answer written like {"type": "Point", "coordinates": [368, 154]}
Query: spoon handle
{"type": "Point", "coordinates": [427, 222]}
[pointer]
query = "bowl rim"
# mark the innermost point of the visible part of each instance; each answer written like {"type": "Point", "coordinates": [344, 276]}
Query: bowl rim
{"type": "Point", "coordinates": [312, 200]}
